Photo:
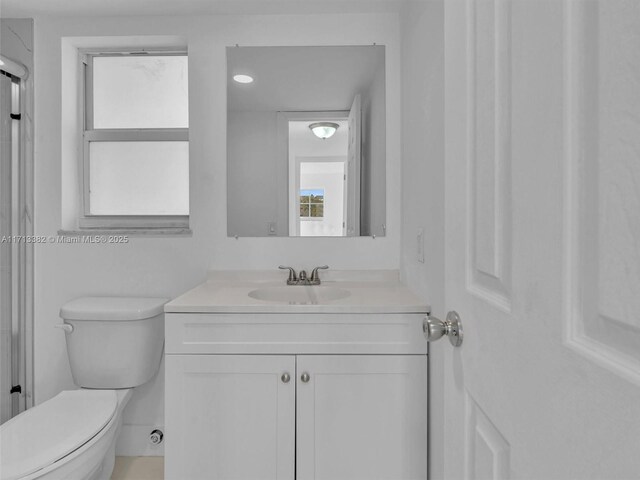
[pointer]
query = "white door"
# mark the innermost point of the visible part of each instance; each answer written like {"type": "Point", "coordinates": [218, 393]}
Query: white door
{"type": "Point", "coordinates": [230, 417]}
{"type": "Point", "coordinates": [543, 239]}
{"type": "Point", "coordinates": [353, 168]}
{"type": "Point", "coordinates": [361, 417]}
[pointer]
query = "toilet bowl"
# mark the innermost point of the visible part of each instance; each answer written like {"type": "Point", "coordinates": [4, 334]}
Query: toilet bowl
{"type": "Point", "coordinates": [71, 436]}
{"type": "Point", "coordinates": [114, 344]}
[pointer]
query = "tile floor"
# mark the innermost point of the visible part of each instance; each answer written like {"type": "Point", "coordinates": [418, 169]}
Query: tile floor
{"type": "Point", "coordinates": [138, 468]}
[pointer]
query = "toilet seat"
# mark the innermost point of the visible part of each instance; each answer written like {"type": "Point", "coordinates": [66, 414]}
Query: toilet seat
{"type": "Point", "coordinates": [52, 430]}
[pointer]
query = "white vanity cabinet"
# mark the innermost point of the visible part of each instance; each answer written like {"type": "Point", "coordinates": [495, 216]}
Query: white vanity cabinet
{"type": "Point", "coordinates": [230, 417]}
{"type": "Point", "coordinates": [293, 395]}
{"type": "Point", "coordinates": [361, 417]}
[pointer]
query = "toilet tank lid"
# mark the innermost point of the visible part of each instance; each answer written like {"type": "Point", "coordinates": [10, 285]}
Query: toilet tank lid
{"type": "Point", "coordinates": [112, 308]}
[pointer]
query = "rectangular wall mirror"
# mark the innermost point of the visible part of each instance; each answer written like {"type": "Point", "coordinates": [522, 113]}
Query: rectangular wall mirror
{"type": "Point", "coordinates": [306, 141]}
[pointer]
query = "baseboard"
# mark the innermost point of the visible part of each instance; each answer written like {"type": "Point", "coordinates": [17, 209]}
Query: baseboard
{"type": "Point", "coordinates": [133, 441]}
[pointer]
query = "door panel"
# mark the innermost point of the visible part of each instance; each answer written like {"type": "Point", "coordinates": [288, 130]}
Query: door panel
{"type": "Point", "coordinates": [602, 186]}
{"type": "Point", "coordinates": [247, 430]}
{"type": "Point", "coordinates": [487, 451]}
{"type": "Point", "coordinates": [542, 169]}
{"type": "Point", "coordinates": [489, 163]}
{"type": "Point", "coordinates": [362, 417]}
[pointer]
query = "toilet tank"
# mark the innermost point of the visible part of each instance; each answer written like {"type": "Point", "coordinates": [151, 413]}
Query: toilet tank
{"type": "Point", "coordinates": [115, 342]}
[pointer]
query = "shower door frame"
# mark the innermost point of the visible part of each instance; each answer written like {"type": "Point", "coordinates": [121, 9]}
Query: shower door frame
{"type": "Point", "coordinates": [21, 222]}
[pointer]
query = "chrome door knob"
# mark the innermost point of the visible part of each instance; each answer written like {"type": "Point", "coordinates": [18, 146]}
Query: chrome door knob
{"type": "Point", "coordinates": [305, 377]}
{"type": "Point", "coordinates": [435, 328]}
{"type": "Point", "coordinates": [285, 377]}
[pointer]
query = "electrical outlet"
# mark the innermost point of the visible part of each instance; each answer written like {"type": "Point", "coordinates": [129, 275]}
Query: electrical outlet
{"type": "Point", "coordinates": [272, 228]}
{"type": "Point", "coordinates": [420, 249]}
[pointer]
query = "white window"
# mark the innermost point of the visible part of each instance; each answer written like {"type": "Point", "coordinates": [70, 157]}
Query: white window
{"type": "Point", "coordinates": [136, 140]}
{"type": "Point", "coordinates": [312, 204]}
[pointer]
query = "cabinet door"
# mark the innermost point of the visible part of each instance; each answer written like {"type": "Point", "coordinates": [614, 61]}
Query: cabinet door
{"type": "Point", "coordinates": [361, 417]}
{"type": "Point", "coordinates": [229, 417]}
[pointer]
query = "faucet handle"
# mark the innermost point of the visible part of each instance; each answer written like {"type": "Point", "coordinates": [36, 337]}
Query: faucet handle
{"type": "Point", "coordinates": [314, 273]}
{"type": "Point", "coordinates": [292, 274]}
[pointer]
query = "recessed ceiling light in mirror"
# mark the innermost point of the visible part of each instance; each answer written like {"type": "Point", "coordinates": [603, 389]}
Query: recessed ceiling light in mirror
{"type": "Point", "coordinates": [241, 78]}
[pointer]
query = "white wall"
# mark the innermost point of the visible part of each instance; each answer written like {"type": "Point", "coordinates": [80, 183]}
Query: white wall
{"type": "Point", "coordinates": [423, 184]}
{"type": "Point", "coordinates": [169, 266]}
{"type": "Point", "coordinates": [253, 174]}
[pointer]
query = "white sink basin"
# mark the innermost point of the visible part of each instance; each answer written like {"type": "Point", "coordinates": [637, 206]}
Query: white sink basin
{"type": "Point", "coordinates": [299, 294]}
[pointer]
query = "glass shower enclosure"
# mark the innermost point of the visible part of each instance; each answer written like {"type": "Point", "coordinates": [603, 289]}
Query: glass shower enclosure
{"type": "Point", "coordinates": [14, 252]}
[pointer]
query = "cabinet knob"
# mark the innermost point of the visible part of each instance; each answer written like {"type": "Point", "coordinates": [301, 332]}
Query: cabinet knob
{"type": "Point", "coordinates": [285, 377]}
{"type": "Point", "coordinates": [305, 377]}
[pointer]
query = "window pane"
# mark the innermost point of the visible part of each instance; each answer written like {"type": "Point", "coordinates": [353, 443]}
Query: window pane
{"type": "Point", "coordinates": [140, 92]}
{"type": "Point", "coordinates": [304, 210]}
{"type": "Point", "coordinates": [316, 211]}
{"type": "Point", "coordinates": [312, 192]}
{"type": "Point", "coordinates": [139, 178]}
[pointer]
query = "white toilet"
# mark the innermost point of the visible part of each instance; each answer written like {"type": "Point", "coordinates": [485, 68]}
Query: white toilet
{"type": "Point", "coordinates": [114, 344]}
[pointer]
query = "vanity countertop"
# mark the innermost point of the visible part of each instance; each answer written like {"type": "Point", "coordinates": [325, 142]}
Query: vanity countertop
{"type": "Point", "coordinates": [369, 291]}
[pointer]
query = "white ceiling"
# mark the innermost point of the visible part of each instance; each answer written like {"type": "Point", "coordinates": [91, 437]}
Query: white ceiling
{"type": "Point", "coordinates": [78, 8]}
{"type": "Point", "coordinates": [301, 78]}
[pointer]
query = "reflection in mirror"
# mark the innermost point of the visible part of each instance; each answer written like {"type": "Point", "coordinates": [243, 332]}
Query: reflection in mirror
{"type": "Point", "coordinates": [306, 141]}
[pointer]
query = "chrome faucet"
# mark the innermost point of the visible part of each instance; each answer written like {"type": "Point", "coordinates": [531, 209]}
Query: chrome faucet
{"type": "Point", "coordinates": [302, 278]}
{"type": "Point", "coordinates": [315, 278]}
{"type": "Point", "coordinates": [293, 278]}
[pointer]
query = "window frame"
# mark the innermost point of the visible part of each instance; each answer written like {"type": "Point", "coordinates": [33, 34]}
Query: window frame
{"type": "Point", "coordinates": [86, 219]}
{"type": "Point", "coordinates": [309, 218]}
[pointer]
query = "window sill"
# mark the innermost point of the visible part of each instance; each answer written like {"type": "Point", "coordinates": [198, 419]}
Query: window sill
{"type": "Point", "coordinates": [130, 232]}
